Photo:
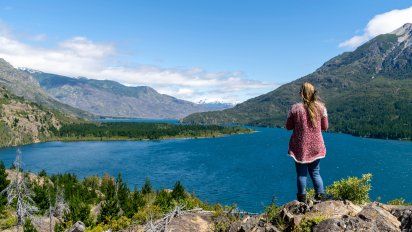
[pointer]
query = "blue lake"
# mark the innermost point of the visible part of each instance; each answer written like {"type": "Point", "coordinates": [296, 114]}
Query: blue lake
{"type": "Point", "coordinates": [244, 169]}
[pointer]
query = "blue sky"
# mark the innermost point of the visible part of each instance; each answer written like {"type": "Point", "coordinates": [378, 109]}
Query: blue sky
{"type": "Point", "coordinates": [214, 50]}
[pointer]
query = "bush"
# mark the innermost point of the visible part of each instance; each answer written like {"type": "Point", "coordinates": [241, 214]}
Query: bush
{"type": "Point", "coordinates": [147, 187]}
{"type": "Point", "coordinates": [152, 212]}
{"type": "Point", "coordinates": [42, 173]}
{"type": "Point", "coordinates": [272, 213]}
{"type": "Point", "coordinates": [353, 188]}
{"type": "Point", "coordinates": [307, 224]}
{"type": "Point", "coordinates": [59, 227]}
{"type": "Point", "coordinates": [119, 224]}
{"type": "Point", "coordinates": [398, 201]}
{"type": "Point", "coordinates": [164, 200]}
{"type": "Point", "coordinates": [178, 192]}
{"type": "Point", "coordinates": [7, 221]}
{"type": "Point", "coordinates": [3, 185]}
{"type": "Point", "coordinates": [28, 226]}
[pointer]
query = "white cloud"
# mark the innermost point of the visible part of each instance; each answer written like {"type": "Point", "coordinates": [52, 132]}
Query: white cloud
{"type": "Point", "coordinates": [380, 24]}
{"type": "Point", "coordinates": [39, 37]}
{"type": "Point", "coordinates": [80, 56]}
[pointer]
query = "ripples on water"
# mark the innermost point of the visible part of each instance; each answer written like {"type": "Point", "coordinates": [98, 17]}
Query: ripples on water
{"type": "Point", "coordinates": [244, 169]}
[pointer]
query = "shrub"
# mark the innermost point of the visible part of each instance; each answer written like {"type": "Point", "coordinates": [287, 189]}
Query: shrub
{"type": "Point", "coordinates": [119, 224]}
{"type": "Point", "coordinates": [191, 202]}
{"type": "Point", "coordinates": [164, 200]}
{"type": "Point", "coordinates": [42, 173]}
{"type": "Point", "coordinates": [178, 192]}
{"type": "Point", "coordinates": [8, 220]}
{"type": "Point", "coordinates": [28, 226]}
{"type": "Point", "coordinates": [310, 194]}
{"type": "Point", "coordinates": [307, 224]}
{"type": "Point", "coordinates": [147, 187]}
{"type": "Point", "coordinates": [223, 217]}
{"type": "Point", "coordinates": [3, 185]}
{"type": "Point", "coordinates": [398, 201]}
{"type": "Point", "coordinates": [353, 188]}
{"type": "Point", "coordinates": [98, 228]}
{"type": "Point", "coordinates": [59, 227]}
{"type": "Point", "coordinates": [152, 212]}
{"type": "Point", "coordinates": [272, 213]}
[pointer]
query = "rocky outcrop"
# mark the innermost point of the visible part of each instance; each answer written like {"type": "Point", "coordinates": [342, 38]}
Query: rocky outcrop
{"type": "Point", "coordinates": [372, 217]}
{"type": "Point", "coordinates": [404, 215]}
{"type": "Point", "coordinates": [323, 216]}
{"type": "Point", "coordinates": [78, 227]}
{"type": "Point", "coordinates": [326, 216]}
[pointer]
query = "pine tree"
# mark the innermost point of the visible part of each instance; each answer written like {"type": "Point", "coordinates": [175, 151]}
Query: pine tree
{"type": "Point", "coordinates": [136, 202]}
{"type": "Point", "coordinates": [110, 206]}
{"type": "Point", "coordinates": [147, 187]}
{"type": "Point", "coordinates": [123, 193]}
{"type": "Point", "coordinates": [178, 192]}
{"type": "Point", "coordinates": [3, 185]}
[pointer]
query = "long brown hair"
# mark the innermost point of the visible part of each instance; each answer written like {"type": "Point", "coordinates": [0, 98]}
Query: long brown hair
{"type": "Point", "coordinates": [310, 100]}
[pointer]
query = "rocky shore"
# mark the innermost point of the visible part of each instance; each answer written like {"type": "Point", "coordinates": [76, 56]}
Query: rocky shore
{"type": "Point", "coordinates": [295, 217]}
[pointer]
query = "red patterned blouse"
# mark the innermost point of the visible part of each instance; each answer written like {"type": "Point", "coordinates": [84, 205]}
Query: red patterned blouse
{"type": "Point", "coordinates": [306, 143]}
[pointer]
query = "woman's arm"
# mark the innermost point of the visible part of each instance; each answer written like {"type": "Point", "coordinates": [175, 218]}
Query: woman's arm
{"type": "Point", "coordinates": [290, 124]}
{"type": "Point", "coordinates": [324, 120]}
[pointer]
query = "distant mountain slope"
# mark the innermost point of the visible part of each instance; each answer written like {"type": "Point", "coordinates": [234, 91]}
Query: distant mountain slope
{"type": "Point", "coordinates": [110, 98]}
{"type": "Point", "coordinates": [368, 92]}
{"type": "Point", "coordinates": [22, 84]}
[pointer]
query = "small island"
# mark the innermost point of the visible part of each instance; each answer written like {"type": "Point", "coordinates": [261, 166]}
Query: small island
{"type": "Point", "coordinates": [107, 131]}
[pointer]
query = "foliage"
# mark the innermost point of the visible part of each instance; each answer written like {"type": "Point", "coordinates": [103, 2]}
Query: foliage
{"type": "Point", "coordinates": [178, 192]}
{"type": "Point", "coordinates": [3, 185]}
{"type": "Point", "coordinates": [59, 227]}
{"type": "Point", "coordinates": [110, 206]}
{"type": "Point", "coordinates": [164, 201]}
{"type": "Point", "coordinates": [7, 220]}
{"type": "Point", "coordinates": [42, 173]}
{"type": "Point", "coordinates": [353, 189]}
{"type": "Point", "coordinates": [28, 226]}
{"type": "Point", "coordinates": [223, 217]}
{"type": "Point", "coordinates": [398, 201]}
{"type": "Point", "coordinates": [310, 194]}
{"type": "Point", "coordinates": [147, 187]}
{"type": "Point", "coordinates": [136, 131]}
{"type": "Point", "coordinates": [120, 223]}
{"type": "Point", "coordinates": [273, 216]}
{"type": "Point", "coordinates": [150, 212]}
{"type": "Point", "coordinates": [307, 224]}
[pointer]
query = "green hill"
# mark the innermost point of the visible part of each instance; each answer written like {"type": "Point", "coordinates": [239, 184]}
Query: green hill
{"type": "Point", "coordinates": [368, 92]}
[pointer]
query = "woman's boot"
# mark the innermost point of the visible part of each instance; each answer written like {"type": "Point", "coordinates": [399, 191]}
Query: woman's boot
{"type": "Point", "coordinates": [301, 198]}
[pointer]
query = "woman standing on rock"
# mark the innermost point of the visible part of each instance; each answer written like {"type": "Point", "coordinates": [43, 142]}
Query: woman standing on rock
{"type": "Point", "coordinates": [306, 146]}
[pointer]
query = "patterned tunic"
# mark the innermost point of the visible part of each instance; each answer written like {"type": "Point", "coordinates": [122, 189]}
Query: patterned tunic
{"type": "Point", "coordinates": [306, 144]}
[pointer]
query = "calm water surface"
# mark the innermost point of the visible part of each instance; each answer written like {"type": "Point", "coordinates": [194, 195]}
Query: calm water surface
{"type": "Point", "coordinates": [244, 169]}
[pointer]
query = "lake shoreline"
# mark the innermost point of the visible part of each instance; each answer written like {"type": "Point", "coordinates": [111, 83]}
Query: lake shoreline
{"type": "Point", "coordinates": [108, 139]}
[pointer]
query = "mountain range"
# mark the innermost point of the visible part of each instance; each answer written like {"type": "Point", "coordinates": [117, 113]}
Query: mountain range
{"type": "Point", "coordinates": [112, 99]}
{"type": "Point", "coordinates": [368, 92]}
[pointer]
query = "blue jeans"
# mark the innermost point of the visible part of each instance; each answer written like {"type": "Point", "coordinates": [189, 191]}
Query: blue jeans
{"type": "Point", "coordinates": [302, 172]}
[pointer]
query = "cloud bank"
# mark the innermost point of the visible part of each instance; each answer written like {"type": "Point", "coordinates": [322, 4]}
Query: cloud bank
{"type": "Point", "coordinates": [80, 56]}
{"type": "Point", "coordinates": [380, 24]}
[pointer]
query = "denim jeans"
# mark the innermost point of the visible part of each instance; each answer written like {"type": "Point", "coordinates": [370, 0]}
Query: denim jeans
{"type": "Point", "coordinates": [302, 172]}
